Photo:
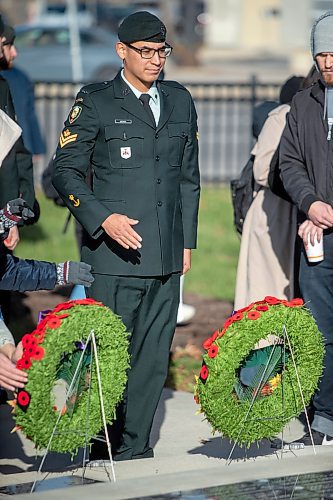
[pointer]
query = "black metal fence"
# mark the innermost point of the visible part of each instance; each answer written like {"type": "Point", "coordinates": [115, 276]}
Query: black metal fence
{"type": "Point", "coordinates": [224, 114]}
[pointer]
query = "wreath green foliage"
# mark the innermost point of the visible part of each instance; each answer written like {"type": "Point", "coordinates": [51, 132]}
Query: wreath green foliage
{"type": "Point", "coordinates": [229, 347]}
{"type": "Point", "coordinates": [58, 334]}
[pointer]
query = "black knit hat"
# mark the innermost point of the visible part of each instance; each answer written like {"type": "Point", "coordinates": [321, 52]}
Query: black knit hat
{"type": "Point", "coordinates": [142, 26]}
{"type": "Point", "coordinates": [289, 89]}
{"type": "Point", "coordinates": [9, 34]}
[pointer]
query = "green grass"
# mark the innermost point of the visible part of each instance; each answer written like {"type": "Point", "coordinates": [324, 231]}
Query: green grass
{"type": "Point", "coordinates": [213, 264]}
{"type": "Point", "coordinates": [46, 239]}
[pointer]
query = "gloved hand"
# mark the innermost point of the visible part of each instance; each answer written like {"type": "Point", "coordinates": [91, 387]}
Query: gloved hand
{"type": "Point", "coordinates": [14, 212]}
{"type": "Point", "coordinates": [76, 273]}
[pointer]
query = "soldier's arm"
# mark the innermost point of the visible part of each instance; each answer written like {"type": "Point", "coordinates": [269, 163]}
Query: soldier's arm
{"type": "Point", "coordinates": [72, 160]}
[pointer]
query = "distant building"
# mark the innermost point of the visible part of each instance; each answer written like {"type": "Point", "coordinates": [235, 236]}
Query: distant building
{"type": "Point", "coordinates": [263, 28]}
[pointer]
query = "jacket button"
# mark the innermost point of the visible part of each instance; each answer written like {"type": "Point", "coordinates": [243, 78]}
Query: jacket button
{"type": "Point", "coordinates": [158, 181]}
{"type": "Point", "coordinates": [159, 203]}
{"type": "Point", "coordinates": [157, 158]}
{"type": "Point", "coordinates": [156, 136]}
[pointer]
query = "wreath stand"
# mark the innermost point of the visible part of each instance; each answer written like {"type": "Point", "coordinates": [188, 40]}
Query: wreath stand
{"type": "Point", "coordinates": [259, 387]}
{"type": "Point", "coordinates": [91, 340]}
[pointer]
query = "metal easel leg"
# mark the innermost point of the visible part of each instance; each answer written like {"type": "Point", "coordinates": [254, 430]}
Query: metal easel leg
{"type": "Point", "coordinates": [102, 403]}
{"type": "Point", "coordinates": [300, 389]}
{"type": "Point", "coordinates": [59, 416]}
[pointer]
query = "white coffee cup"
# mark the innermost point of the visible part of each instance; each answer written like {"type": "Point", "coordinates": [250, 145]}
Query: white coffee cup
{"type": "Point", "coordinates": [315, 252]}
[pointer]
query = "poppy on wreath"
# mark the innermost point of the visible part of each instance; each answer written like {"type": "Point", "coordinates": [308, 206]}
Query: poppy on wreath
{"type": "Point", "coordinates": [28, 340]}
{"type": "Point", "coordinates": [23, 399]}
{"type": "Point", "coordinates": [30, 350]}
{"type": "Point", "coordinates": [253, 315]}
{"type": "Point", "coordinates": [204, 372]}
{"type": "Point", "coordinates": [296, 302]}
{"type": "Point", "coordinates": [53, 321]}
{"type": "Point", "coordinates": [24, 363]}
{"type": "Point", "coordinates": [214, 349]}
{"type": "Point", "coordinates": [39, 353]}
{"type": "Point", "coordinates": [272, 301]}
{"type": "Point", "coordinates": [262, 308]}
{"type": "Point", "coordinates": [238, 316]}
{"type": "Point", "coordinates": [64, 306]}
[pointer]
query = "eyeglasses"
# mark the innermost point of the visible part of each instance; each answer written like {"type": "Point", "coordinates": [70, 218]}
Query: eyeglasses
{"type": "Point", "coordinates": [146, 53]}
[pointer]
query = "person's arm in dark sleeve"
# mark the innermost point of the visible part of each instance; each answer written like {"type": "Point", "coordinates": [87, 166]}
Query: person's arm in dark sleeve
{"type": "Point", "coordinates": [25, 173]}
{"type": "Point", "coordinates": [190, 182]}
{"type": "Point", "coordinates": [26, 275]}
{"type": "Point", "coordinates": [292, 166]}
{"type": "Point", "coordinates": [72, 161]}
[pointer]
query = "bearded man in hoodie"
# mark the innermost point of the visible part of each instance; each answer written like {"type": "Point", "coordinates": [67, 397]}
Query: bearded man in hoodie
{"type": "Point", "coordinates": [306, 164]}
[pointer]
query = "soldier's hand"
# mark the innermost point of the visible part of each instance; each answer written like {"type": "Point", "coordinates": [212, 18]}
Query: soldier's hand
{"type": "Point", "coordinates": [119, 228]}
{"type": "Point", "coordinates": [321, 214]}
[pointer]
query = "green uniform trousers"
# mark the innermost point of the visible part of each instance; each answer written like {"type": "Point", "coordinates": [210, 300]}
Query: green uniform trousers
{"type": "Point", "coordinates": [148, 308]}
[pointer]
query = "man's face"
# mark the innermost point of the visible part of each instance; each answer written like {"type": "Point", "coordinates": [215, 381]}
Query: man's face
{"type": "Point", "coordinates": [325, 64]}
{"type": "Point", "coordinates": [9, 53]}
{"type": "Point", "coordinates": [138, 71]}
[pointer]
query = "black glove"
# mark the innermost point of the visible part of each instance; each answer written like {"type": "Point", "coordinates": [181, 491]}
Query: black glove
{"type": "Point", "coordinates": [76, 273]}
{"type": "Point", "coordinates": [14, 212]}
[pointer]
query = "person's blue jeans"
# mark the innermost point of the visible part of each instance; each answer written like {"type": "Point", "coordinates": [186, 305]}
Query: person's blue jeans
{"type": "Point", "coordinates": [316, 285]}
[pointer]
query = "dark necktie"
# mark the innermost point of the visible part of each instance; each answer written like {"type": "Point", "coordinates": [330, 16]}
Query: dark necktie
{"type": "Point", "coordinates": [145, 98]}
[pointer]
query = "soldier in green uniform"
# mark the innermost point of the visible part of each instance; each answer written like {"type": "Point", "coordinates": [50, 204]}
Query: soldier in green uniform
{"type": "Point", "coordinates": [140, 136]}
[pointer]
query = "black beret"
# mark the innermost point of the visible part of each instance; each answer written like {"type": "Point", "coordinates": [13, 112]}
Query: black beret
{"type": "Point", "coordinates": [9, 34]}
{"type": "Point", "coordinates": [142, 26]}
{"type": "Point", "coordinates": [1, 25]}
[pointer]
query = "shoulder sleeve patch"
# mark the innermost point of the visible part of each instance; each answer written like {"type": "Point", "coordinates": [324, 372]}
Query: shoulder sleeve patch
{"type": "Point", "coordinates": [66, 137]}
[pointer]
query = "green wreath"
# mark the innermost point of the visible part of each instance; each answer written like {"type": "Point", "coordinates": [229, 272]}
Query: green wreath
{"type": "Point", "coordinates": [276, 398]}
{"type": "Point", "coordinates": [51, 353]}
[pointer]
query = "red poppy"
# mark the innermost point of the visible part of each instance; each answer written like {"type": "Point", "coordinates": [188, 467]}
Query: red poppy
{"type": "Point", "coordinates": [30, 350]}
{"type": "Point", "coordinates": [207, 343]}
{"type": "Point", "coordinates": [215, 335]}
{"type": "Point", "coordinates": [296, 302]}
{"type": "Point", "coordinates": [228, 322]}
{"type": "Point", "coordinates": [28, 340]}
{"type": "Point", "coordinates": [63, 316]}
{"type": "Point", "coordinates": [253, 315]}
{"type": "Point", "coordinates": [63, 306]}
{"type": "Point", "coordinates": [262, 308]}
{"type": "Point", "coordinates": [244, 309]}
{"type": "Point", "coordinates": [39, 353]}
{"type": "Point", "coordinates": [213, 351]}
{"type": "Point", "coordinates": [23, 398]}
{"type": "Point", "coordinates": [24, 363]}
{"type": "Point", "coordinates": [238, 316]}
{"type": "Point", "coordinates": [204, 372]}
{"type": "Point", "coordinates": [259, 302]}
{"type": "Point", "coordinates": [272, 300]}
{"type": "Point", "coordinates": [41, 325]}
{"type": "Point", "coordinates": [53, 322]}
{"type": "Point", "coordinates": [223, 332]}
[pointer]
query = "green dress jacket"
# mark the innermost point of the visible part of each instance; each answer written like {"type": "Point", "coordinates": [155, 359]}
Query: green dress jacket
{"type": "Point", "coordinates": [145, 172]}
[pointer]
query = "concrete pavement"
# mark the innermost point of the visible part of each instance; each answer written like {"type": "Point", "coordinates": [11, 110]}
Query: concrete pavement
{"type": "Point", "coordinates": [187, 456]}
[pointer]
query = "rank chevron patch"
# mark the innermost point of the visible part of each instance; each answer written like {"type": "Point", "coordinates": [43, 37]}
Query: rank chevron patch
{"type": "Point", "coordinates": [66, 137]}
